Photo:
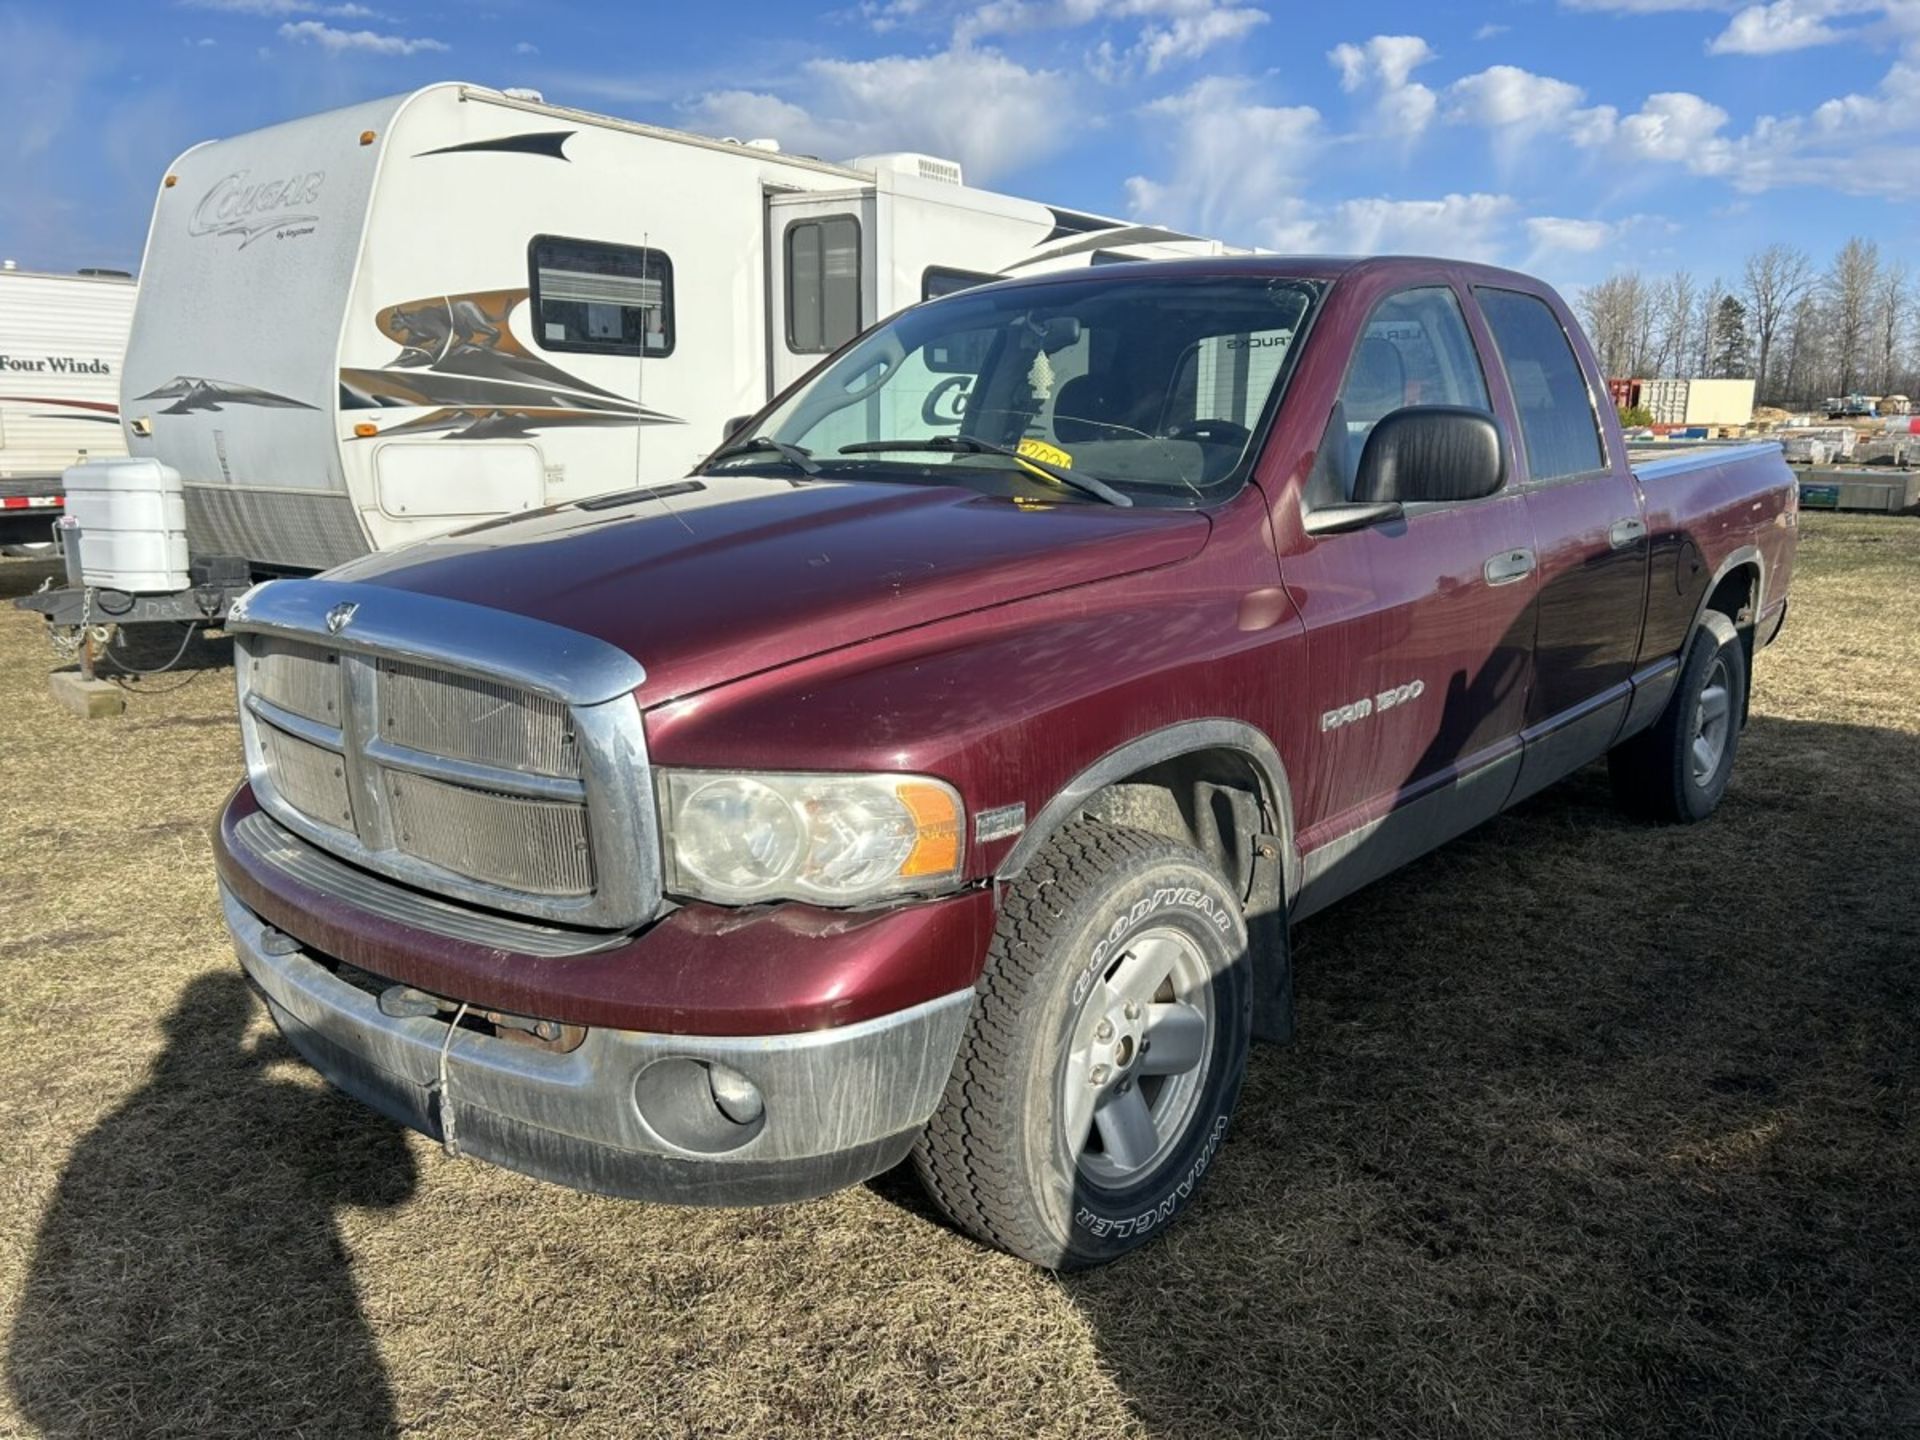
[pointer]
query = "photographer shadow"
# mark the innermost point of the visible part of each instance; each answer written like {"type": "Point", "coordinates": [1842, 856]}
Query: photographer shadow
{"type": "Point", "coordinates": [189, 1276]}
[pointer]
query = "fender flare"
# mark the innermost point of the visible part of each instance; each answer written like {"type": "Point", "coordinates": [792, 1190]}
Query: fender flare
{"type": "Point", "coordinates": [1174, 741]}
{"type": "Point", "coordinates": [1744, 555]}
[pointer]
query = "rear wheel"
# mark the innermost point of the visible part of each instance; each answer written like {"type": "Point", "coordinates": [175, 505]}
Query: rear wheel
{"type": "Point", "coordinates": [1106, 1051]}
{"type": "Point", "coordinates": [1678, 769]}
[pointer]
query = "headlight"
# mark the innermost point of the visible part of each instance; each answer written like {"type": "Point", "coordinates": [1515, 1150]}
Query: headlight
{"type": "Point", "coordinates": [836, 839]}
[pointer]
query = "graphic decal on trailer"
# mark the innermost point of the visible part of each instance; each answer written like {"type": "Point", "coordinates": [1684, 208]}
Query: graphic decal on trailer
{"type": "Point", "coordinates": [551, 143]}
{"type": "Point", "coordinates": [96, 411]}
{"type": "Point", "coordinates": [193, 392]}
{"type": "Point", "coordinates": [459, 355]}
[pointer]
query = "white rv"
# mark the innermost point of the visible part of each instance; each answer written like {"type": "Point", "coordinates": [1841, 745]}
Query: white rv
{"type": "Point", "coordinates": [375, 324]}
{"type": "Point", "coordinates": [62, 338]}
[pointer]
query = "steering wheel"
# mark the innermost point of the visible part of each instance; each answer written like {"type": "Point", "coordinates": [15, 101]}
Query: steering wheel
{"type": "Point", "coordinates": [1211, 432]}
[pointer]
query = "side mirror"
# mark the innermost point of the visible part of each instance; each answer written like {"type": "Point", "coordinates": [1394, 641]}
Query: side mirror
{"type": "Point", "coordinates": [733, 427]}
{"type": "Point", "coordinates": [1431, 453]}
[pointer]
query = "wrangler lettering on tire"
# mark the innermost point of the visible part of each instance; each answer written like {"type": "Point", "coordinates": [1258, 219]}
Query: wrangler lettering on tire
{"type": "Point", "coordinates": [1106, 1051]}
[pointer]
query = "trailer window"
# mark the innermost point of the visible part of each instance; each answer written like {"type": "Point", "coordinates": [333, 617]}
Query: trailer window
{"type": "Point", "coordinates": [602, 299]}
{"type": "Point", "coordinates": [1549, 389]}
{"type": "Point", "coordinates": [823, 284]}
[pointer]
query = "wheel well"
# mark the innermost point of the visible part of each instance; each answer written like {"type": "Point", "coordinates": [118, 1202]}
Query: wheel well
{"type": "Point", "coordinates": [1210, 799]}
{"type": "Point", "coordinates": [1737, 595]}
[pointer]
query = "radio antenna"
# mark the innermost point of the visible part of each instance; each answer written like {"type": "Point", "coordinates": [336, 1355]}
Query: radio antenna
{"type": "Point", "coordinates": [640, 370]}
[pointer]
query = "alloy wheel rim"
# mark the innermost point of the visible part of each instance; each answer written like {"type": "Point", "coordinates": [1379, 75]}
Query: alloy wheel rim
{"type": "Point", "coordinates": [1137, 1059]}
{"type": "Point", "coordinates": [1712, 724]}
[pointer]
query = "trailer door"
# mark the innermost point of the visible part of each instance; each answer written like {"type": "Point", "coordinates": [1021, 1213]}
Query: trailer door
{"type": "Point", "coordinates": [821, 281]}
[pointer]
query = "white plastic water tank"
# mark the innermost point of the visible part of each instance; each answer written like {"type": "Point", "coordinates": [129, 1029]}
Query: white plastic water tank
{"type": "Point", "coordinates": [133, 524]}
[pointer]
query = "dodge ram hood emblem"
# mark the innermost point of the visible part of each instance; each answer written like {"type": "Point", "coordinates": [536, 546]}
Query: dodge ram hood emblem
{"type": "Point", "coordinates": [340, 616]}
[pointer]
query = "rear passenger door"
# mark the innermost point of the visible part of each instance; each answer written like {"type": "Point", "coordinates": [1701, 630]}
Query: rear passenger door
{"type": "Point", "coordinates": [1590, 539]}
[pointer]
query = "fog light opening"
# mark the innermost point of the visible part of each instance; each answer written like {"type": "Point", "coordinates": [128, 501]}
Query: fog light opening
{"type": "Point", "coordinates": [699, 1106]}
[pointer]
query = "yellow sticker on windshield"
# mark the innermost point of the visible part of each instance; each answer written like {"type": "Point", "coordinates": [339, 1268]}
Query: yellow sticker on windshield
{"type": "Point", "coordinates": [1050, 454]}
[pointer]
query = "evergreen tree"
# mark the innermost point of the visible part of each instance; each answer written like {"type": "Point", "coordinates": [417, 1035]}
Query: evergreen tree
{"type": "Point", "coordinates": [1730, 358]}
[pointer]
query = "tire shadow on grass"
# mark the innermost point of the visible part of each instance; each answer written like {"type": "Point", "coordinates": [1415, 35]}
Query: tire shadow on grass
{"type": "Point", "coordinates": [1592, 1127]}
{"type": "Point", "coordinates": [189, 1277]}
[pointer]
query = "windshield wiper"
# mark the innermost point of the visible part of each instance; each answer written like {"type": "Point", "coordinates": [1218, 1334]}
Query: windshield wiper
{"type": "Point", "coordinates": [797, 456]}
{"type": "Point", "coordinates": [973, 445]}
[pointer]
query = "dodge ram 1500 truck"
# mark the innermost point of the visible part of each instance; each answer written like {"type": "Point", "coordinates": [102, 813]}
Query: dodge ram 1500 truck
{"type": "Point", "coordinates": [936, 771]}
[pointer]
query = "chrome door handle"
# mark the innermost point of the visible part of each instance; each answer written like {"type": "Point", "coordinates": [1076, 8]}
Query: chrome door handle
{"type": "Point", "coordinates": [1509, 566]}
{"type": "Point", "coordinates": [1625, 534]}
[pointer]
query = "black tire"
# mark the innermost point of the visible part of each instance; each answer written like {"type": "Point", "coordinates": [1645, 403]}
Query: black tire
{"type": "Point", "coordinates": [995, 1155]}
{"type": "Point", "coordinates": [1655, 775]}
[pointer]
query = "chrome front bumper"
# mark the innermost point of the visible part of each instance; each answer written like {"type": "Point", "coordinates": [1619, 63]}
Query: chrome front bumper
{"type": "Point", "coordinates": [835, 1106]}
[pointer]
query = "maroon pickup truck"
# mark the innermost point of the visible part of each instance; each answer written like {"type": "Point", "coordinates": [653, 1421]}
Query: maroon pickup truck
{"type": "Point", "coordinates": [936, 771]}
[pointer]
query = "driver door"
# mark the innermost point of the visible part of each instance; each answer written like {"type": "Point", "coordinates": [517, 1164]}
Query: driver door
{"type": "Point", "coordinates": [1419, 631]}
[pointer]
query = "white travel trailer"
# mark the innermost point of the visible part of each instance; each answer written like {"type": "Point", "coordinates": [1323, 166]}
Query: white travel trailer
{"type": "Point", "coordinates": [379, 323]}
{"type": "Point", "coordinates": [62, 338]}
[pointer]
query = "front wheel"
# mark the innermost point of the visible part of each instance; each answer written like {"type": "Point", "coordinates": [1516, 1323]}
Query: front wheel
{"type": "Point", "coordinates": [1106, 1050]}
{"type": "Point", "coordinates": [1678, 769]}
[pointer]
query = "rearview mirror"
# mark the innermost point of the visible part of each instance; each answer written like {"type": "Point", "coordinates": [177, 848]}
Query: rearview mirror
{"type": "Point", "coordinates": [1431, 453]}
{"type": "Point", "coordinates": [733, 427]}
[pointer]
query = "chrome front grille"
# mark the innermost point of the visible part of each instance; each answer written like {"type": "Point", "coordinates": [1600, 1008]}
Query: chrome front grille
{"type": "Point", "coordinates": [478, 786]}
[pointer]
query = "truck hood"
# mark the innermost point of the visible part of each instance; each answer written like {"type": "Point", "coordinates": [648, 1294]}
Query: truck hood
{"type": "Point", "coordinates": [717, 577]}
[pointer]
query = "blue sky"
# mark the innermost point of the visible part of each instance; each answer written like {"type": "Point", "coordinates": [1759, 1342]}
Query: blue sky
{"type": "Point", "coordinates": [1571, 137]}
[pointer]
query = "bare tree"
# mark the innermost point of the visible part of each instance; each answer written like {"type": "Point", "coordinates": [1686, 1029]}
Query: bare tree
{"type": "Point", "coordinates": [1673, 322]}
{"type": "Point", "coordinates": [1891, 304]}
{"type": "Point", "coordinates": [1849, 287]}
{"type": "Point", "coordinates": [1618, 315]}
{"type": "Point", "coordinates": [1704, 343]}
{"type": "Point", "coordinates": [1803, 340]}
{"type": "Point", "coordinates": [1775, 279]}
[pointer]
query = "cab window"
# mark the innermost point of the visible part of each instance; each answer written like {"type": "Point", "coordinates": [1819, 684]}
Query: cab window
{"type": "Point", "coordinates": [1549, 388]}
{"type": "Point", "coordinates": [1415, 349]}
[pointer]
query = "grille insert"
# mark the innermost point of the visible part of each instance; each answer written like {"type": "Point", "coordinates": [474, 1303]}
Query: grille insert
{"type": "Point", "coordinates": [539, 846]}
{"type": "Point", "coordinates": [482, 721]}
{"type": "Point", "coordinates": [311, 779]}
{"type": "Point", "coordinates": [301, 678]}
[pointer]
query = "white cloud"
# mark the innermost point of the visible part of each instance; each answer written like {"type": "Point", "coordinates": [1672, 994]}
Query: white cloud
{"type": "Point", "coordinates": [1557, 233]}
{"type": "Point", "coordinates": [336, 42]}
{"type": "Point", "coordinates": [526, 47]}
{"type": "Point", "coordinates": [1505, 97]}
{"type": "Point", "coordinates": [1142, 35]}
{"type": "Point", "coordinates": [1402, 106]}
{"type": "Point", "coordinates": [1490, 31]}
{"type": "Point", "coordinates": [975, 106]}
{"type": "Point", "coordinates": [1187, 37]}
{"type": "Point", "coordinates": [1465, 227]}
{"type": "Point", "coordinates": [1774, 28]}
{"type": "Point", "coordinates": [1235, 163]}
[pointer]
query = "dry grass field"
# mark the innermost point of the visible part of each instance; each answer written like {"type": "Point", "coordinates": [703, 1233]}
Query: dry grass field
{"type": "Point", "coordinates": [1592, 1128]}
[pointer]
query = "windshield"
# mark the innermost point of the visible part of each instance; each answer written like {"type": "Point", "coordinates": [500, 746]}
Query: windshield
{"type": "Point", "coordinates": [1152, 387]}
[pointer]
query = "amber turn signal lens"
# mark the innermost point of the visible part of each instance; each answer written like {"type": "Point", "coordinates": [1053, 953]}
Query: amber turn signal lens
{"type": "Point", "coordinates": [366, 137]}
{"type": "Point", "coordinates": [170, 182]}
{"type": "Point", "coordinates": [366, 431]}
{"type": "Point", "coordinates": [937, 850]}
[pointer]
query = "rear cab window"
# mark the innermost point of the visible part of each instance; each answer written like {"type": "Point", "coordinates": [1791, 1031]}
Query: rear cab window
{"type": "Point", "coordinates": [1550, 390]}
